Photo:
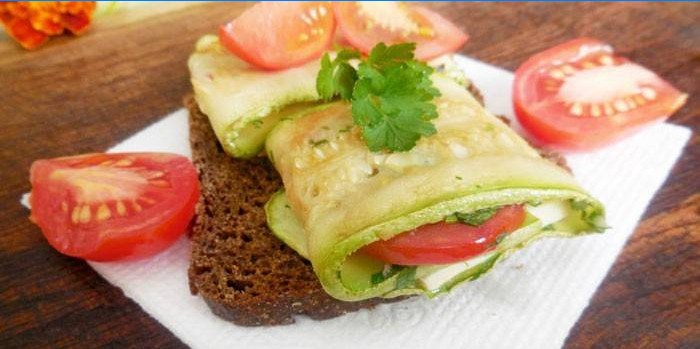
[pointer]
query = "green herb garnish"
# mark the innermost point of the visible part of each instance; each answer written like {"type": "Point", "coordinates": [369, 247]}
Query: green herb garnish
{"type": "Point", "coordinates": [390, 91]}
{"type": "Point", "coordinates": [318, 142]}
{"type": "Point", "coordinates": [337, 77]}
{"type": "Point", "coordinates": [377, 278]}
{"type": "Point", "coordinates": [476, 218]}
{"type": "Point", "coordinates": [387, 272]}
{"type": "Point", "coordinates": [589, 214]}
{"type": "Point", "coordinates": [406, 278]}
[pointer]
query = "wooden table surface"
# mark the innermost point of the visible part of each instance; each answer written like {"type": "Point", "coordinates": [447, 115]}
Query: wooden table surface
{"type": "Point", "coordinates": [84, 95]}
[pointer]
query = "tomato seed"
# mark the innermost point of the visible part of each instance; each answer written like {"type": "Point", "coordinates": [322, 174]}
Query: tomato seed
{"type": "Point", "coordinates": [649, 93]}
{"type": "Point", "coordinates": [121, 209]}
{"type": "Point", "coordinates": [103, 212]}
{"type": "Point", "coordinates": [85, 214]}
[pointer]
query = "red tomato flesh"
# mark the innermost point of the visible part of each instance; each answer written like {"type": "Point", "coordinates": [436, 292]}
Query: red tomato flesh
{"type": "Point", "coordinates": [107, 207]}
{"type": "Point", "coordinates": [279, 35]}
{"type": "Point", "coordinates": [443, 243]}
{"type": "Point", "coordinates": [365, 24]}
{"type": "Point", "coordinates": [580, 96]}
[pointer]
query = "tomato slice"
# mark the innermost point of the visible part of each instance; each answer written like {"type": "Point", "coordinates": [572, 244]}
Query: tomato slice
{"type": "Point", "coordinates": [580, 96]}
{"type": "Point", "coordinates": [279, 35]}
{"type": "Point", "coordinates": [443, 243]}
{"type": "Point", "coordinates": [365, 24]}
{"type": "Point", "coordinates": [113, 206]}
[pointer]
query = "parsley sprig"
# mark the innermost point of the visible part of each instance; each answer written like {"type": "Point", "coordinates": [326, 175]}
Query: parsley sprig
{"type": "Point", "coordinates": [391, 94]}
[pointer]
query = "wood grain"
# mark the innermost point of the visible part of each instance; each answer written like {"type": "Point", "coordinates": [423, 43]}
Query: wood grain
{"type": "Point", "coordinates": [86, 94]}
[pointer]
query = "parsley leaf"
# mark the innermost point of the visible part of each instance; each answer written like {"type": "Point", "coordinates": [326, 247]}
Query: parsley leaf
{"type": "Point", "coordinates": [476, 218]}
{"type": "Point", "coordinates": [391, 94]}
{"type": "Point", "coordinates": [337, 77]}
{"type": "Point", "coordinates": [383, 56]}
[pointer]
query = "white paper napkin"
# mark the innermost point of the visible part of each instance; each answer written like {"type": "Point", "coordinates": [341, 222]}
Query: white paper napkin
{"type": "Point", "coordinates": [530, 300]}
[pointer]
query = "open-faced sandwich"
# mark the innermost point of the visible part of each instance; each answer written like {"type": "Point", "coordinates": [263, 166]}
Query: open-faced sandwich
{"type": "Point", "coordinates": [337, 169]}
{"type": "Point", "coordinates": [384, 176]}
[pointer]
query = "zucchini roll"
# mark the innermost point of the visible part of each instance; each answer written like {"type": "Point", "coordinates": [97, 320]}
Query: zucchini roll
{"type": "Point", "coordinates": [356, 214]}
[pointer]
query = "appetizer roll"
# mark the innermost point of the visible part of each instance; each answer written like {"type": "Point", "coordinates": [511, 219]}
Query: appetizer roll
{"type": "Point", "coordinates": [244, 103]}
{"type": "Point", "coordinates": [421, 221]}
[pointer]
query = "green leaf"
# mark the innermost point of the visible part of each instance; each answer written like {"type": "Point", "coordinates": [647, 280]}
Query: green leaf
{"type": "Point", "coordinates": [387, 272]}
{"type": "Point", "coordinates": [392, 106]}
{"type": "Point", "coordinates": [478, 217]}
{"type": "Point", "coordinates": [345, 77]}
{"type": "Point", "coordinates": [590, 214]}
{"type": "Point", "coordinates": [324, 79]}
{"type": "Point", "coordinates": [377, 278]}
{"type": "Point", "coordinates": [406, 278]}
{"type": "Point", "coordinates": [347, 54]}
{"type": "Point", "coordinates": [337, 77]}
{"type": "Point", "coordinates": [391, 94]}
{"type": "Point", "coordinates": [384, 56]}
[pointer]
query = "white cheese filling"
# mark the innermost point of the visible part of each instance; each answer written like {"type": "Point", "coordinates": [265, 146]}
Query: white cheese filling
{"type": "Point", "coordinates": [546, 214]}
{"type": "Point", "coordinates": [441, 276]}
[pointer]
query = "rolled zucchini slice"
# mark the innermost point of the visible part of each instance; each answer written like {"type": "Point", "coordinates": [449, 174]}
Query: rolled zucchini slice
{"type": "Point", "coordinates": [244, 103]}
{"type": "Point", "coordinates": [338, 196]}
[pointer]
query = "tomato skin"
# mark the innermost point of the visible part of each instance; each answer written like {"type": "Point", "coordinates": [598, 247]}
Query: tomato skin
{"type": "Point", "coordinates": [450, 40]}
{"type": "Point", "coordinates": [444, 243]}
{"type": "Point", "coordinates": [106, 207]}
{"type": "Point", "coordinates": [136, 247]}
{"type": "Point", "coordinates": [547, 117]}
{"type": "Point", "coordinates": [354, 29]}
{"type": "Point", "coordinates": [280, 35]}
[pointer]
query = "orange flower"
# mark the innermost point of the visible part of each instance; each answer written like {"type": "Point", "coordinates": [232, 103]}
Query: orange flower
{"type": "Point", "coordinates": [31, 23]}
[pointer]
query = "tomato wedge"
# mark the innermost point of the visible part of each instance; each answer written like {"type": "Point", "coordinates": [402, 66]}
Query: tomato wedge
{"type": "Point", "coordinates": [443, 243]}
{"type": "Point", "coordinates": [107, 207]}
{"type": "Point", "coordinates": [580, 96]}
{"type": "Point", "coordinates": [365, 24]}
{"type": "Point", "coordinates": [279, 35]}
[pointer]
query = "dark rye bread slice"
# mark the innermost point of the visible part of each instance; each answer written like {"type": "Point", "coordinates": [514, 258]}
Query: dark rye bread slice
{"type": "Point", "coordinates": [243, 272]}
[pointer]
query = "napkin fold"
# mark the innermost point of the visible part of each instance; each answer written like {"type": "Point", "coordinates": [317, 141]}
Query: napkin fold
{"type": "Point", "coordinates": [531, 300]}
